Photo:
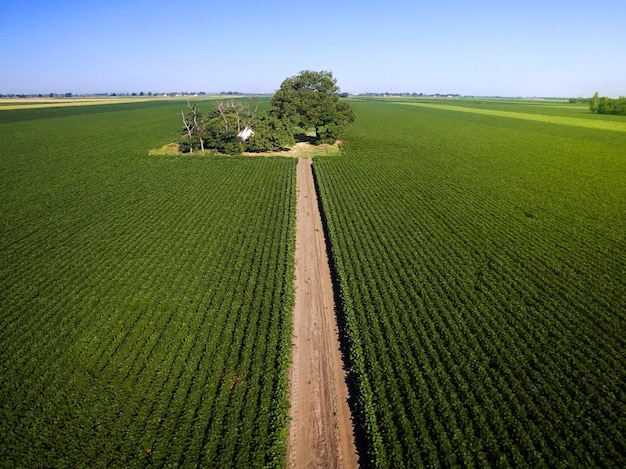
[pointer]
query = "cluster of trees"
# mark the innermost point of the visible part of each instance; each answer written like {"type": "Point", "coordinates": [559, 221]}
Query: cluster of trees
{"type": "Point", "coordinates": [233, 127]}
{"type": "Point", "coordinates": [97, 95]}
{"type": "Point", "coordinates": [579, 100]}
{"type": "Point", "coordinates": [38, 95]}
{"type": "Point", "coordinates": [604, 105]}
{"type": "Point", "coordinates": [309, 101]}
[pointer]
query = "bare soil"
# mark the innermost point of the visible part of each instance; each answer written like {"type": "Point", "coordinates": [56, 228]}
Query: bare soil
{"type": "Point", "coordinates": [321, 433]}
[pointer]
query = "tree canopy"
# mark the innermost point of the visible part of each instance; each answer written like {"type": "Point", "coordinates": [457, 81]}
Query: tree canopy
{"type": "Point", "coordinates": [604, 105]}
{"type": "Point", "coordinates": [310, 100]}
{"type": "Point", "coordinates": [232, 127]}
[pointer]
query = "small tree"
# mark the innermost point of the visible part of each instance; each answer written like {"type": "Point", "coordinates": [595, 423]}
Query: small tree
{"type": "Point", "coordinates": [605, 106]}
{"type": "Point", "coordinates": [188, 133]}
{"type": "Point", "coordinates": [594, 104]}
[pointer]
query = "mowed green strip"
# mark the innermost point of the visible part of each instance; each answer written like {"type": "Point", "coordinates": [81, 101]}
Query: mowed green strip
{"type": "Point", "coordinates": [481, 268]}
{"type": "Point", "coordinates": [145, 302]}
{"type": "Point", "coordinates": [562, 120]}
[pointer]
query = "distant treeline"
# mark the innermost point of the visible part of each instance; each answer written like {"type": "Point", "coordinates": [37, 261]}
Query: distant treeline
{"type": "Point", "coordinates": [579, 100]}
{"type": "Point", "coordinates": [604, 105]}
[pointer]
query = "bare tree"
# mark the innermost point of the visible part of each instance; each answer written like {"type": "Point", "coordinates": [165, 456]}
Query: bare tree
{"type": "Point", "coordinates": [241, 111]}
{"type": "Point", "coordinates": [197, 123]}
{"type": "Point", "coordinates": [222, 108]}
{"type": "Point", "coordinates": [189, 128]}
{"type": "Point", "coordinates": [193, 124]}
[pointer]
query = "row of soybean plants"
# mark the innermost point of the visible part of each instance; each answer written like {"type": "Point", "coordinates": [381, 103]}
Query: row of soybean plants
{"type": "Point", "coordinates": [482, 308]}
{"type": "Point", "coordinates": [146, 303]}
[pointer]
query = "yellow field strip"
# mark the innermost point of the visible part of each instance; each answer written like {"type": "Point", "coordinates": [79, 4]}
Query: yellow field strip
{"type": "Point", "coordinates": [12, 104]}
{"type": "Point", "coordinates": [574, 121]}
{"type": "Point", "coordinates": [22, 104]}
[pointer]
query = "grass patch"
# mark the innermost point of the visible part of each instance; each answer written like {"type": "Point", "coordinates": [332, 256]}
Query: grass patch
{"type": "Point", "coordinates": [304, 150]}
{"type": "Point", "coordinates": [171, 149]}
{"type": "Point", "coordinates": [299, 150]}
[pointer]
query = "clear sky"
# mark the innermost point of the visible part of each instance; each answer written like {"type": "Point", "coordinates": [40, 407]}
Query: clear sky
{"type": "Point", "coordinates": [565, 48]}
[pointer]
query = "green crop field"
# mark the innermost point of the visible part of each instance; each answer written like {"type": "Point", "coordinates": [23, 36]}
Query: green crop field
{"type": "Point", "coordinates": [479, 250]}
{"type": "Point", "coordinates": [481, 267]}
{"type": "Point", "coordinates": [145, 301]}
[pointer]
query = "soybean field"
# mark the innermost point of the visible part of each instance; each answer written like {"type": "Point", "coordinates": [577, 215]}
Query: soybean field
{"type": "Point", "coordinates": [145, 301]}
{"type": "Point", "coordinates": [479, 250]}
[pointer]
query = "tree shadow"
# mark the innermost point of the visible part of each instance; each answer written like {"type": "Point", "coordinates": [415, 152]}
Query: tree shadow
{"type": "Point", "coordinates": [364, 446]}
{"type": "Point", "coordinates": [306, 137]}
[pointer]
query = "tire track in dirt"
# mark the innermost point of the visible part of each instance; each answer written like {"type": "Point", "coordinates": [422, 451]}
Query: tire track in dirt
{"type": "Point", "coordinates": [321, 433]}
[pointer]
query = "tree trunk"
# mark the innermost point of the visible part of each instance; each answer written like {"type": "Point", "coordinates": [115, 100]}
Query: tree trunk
{"type": "Point", "coordinates": [188, 131]}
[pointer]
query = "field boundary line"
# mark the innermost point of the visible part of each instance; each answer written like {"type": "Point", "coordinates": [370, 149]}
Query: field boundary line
{"type": "Point", "coordinates": [561, 120]}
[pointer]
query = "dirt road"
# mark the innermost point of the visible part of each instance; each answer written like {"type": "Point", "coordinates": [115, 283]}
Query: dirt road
{"type": "Point", "coordinates": [321, 432]}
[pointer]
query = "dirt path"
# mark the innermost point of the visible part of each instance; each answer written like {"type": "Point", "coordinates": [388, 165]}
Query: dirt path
{"type": "Point", "coordinates": [321, 432]}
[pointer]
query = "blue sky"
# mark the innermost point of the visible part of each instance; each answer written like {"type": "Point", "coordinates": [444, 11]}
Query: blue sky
{"type": "Point", "coordinates": [471, 47]}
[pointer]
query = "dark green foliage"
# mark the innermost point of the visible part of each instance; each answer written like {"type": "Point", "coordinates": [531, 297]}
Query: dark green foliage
{"type": "Point", "coordinates": [270, 134]}
{"type": "Point", "coordinates": [480, 264]}
{"type": "Point", "coordinates": [223, 124]}
{"type": "Point", "coordinates": [220, 129]}
{"type": "Point", "coordinates": [187, 144]}
{"type": "Point", "coordinates": [145, 303]}
{"type": "Point", "coordinates": [594, 103]}
{"type": "Point", "coordinates": [334, 119]}
{"type": "Point", "coordinates": [310, 100]}
{"type": "Point", "coordinates": [579, 100]}
{"type": "Point", "coordinates": [220, 133]}
{"type": "Point", "coordinates": [606, 105]}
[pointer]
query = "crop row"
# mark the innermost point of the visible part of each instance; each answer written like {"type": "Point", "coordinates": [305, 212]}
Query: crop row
{"type": "Point", "coordinates": [146, 303]}
{"type": "Point", "coordinates": [482, 308]}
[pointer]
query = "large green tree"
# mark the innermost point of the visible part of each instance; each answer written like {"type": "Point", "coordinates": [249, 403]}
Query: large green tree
{"type": "Point", "coordinates": [310, 100]}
